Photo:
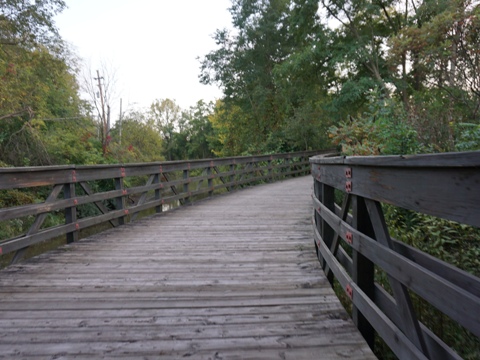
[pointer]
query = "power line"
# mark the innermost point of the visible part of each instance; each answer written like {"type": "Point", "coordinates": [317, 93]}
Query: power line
{"type": "Point", "coordinates": [65, 118]}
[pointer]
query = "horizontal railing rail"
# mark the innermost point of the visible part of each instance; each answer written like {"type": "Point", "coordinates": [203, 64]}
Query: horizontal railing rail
{"type": "Point", "coordinates": [85, 196]}
{"type": "Point", "coordinates": [353, 242]}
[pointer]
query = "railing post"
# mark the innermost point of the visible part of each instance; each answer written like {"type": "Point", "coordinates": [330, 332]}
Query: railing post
{"type": "Point", "coordinates": [231, 178]}
{"type": "Point", "coordinates": [158, 195]}
{"type": "Point", "coordinates": [286, 169]}
{"type": "Point", "coordinates": [363, 269]}
{"type": "Point", "coordinates": [270, 172]}
{"type": "Point", "coordinates": [70, 212]}
{"type": "Point", "coordinates": [317, 191]}
{"type": "Point", "coordinates": [306, 167]}
{"type": "Point", "coordinates": [120, 200]}
{"type": "Point", "coordinates": [327, 233]}
{"type": "Point", "coordinates": [186, 175]}
{"type": "Point", "coordinates": [210, 180]}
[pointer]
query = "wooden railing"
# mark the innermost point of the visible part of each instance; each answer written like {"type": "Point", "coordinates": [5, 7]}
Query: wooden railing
{"type": "Point", "coordinates": [353, 242]}
{"type": "Point", "coordinates": [91, 195]}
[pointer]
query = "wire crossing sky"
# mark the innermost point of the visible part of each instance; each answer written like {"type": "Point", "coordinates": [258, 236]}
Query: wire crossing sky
{"type": "Point", "coordinates": [152, 46]}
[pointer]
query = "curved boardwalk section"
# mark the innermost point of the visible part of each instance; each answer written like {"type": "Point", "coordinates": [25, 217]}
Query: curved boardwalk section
{"type": "Point", "coordinates": [234, 277]}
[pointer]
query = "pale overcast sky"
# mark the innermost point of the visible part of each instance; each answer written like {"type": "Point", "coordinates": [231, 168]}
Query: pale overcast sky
{"type": "Point", "coordinates": [152, 44]}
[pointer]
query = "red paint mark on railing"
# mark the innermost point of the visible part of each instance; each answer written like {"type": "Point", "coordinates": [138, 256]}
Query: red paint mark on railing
{"type": "Point", "coordinates": [348, 173]}
{"type": "Point", "coordinates": [349, 291]}
{"type": "Point", "coordinates": [348, 186]}
{"type": "Point", "coordinates": [349, 237]}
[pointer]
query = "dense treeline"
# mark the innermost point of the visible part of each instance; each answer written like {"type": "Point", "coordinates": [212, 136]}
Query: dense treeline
{"type": "Point", "coordinates": [44, 121]}
{"type": "Point", "coordinates": [377, 77]}
{"type": "Point", "coordinates": [365, 70]}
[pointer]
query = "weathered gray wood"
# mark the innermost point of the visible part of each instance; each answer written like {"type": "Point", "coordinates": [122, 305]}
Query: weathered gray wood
{"type": "Point", "coordinates": [363, 269]}
{"type": "Point", "coordinates": [456, 159]}
{"type": "Point", "coordinates": [440, 292]}
{"type": "Point", "coordinates": [245, 171]}
{"type": "Point", "coordinates": [447, 271]}
{"type": "Point", "coordinates": [39, 220]}
{"type": "Point", "coordinates": [230, 277]}
{"type": "Point", "coordinates": [443, 185]}
{"type": "Point", "coordinates": [393, 337]}
{"type": "Point", "coordinates": [409, 322]}
{"type": "Point", "coordinates": [437, 349]}
{"type": "Point", "coordinates": [12, 178]}
{"type": "Point", "coordinates": [449, 192]}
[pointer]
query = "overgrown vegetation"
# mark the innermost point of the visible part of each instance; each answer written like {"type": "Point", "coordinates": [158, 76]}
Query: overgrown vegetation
{"type": "Point", "coordinates": [373, 77]}
{"type": "Point", "coordinates": [385, 130]}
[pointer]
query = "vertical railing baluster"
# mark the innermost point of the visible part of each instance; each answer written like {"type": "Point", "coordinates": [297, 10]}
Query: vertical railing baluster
{"type": "Point", "coordinates": [71, 212]}
{"type": "Point", "coordinates": [363, 268]}
{"type": "Point", "coordinates": [158, 194]}
{"type": "Point", "coordinates": [210, 179]}
{"type": "Point", "coordinates": [120, 201]}
{"type": "Point", "coordinates": [317, 191]}
{"type": "Point", "coordinates": [231, 178]}
{"type": "Point", "coordinates": [270, 172]}
{"type": "Point", "coordinates": [186, 184]}
{"type": "Point", "coordinates": [327, 233]}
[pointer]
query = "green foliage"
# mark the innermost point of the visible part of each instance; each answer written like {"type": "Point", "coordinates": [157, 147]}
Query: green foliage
{"type": "Point", "coordinates": [165, 115]}
{"type": "Point", "coordinates": [185, 134]}
{"type": "Point", "coordinates": [16, 227]}
{"type": "Point", "coordinates": [287, 76]}
{"type": "Point", "coordinates": [28, 24]}
{"type": "Point", "coordinates": [227, 123]}
{"type": "Point", "coordinates": [449, 241]}
{"type": "Point", "coordinates": [383, 129]}
{"type": "Point", "coordinates": [37, 80]}
{"type": "Point", "coordinates": [73, 142]}
{"type": "Point", "coordinates": [454, 243]}
{"type": "Point", "coordinates": [197, 130]}
{"type": "Point", "coordinates": [11, 198]}
{"type": "Point", "coordinates": [467, 137]}
{"type": "Point", "coordinates": [256, 68]}
{"type": "Point", "coordinates": [139, 140]}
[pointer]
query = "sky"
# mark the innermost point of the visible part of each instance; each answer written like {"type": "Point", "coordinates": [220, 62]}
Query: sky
{"type": "Point", "coordinates": [151, 45]}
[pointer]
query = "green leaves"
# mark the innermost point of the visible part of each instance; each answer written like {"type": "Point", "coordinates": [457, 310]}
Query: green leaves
{"type": "Point", "coordinates": [27, 24]}
{"type": "Point", "coordinates": [383, 129]}
{"type": "Point", "coordinates": [265, 69]}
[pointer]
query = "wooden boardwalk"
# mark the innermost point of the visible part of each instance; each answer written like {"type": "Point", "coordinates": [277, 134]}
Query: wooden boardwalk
{"type": "Point", "coordinates": [233, 277]}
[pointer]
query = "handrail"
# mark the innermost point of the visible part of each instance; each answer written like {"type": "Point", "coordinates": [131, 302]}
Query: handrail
{"type": "Point", "coordinates": [353, 239]}
{"type": "Point", "coordinates": [91, 195]}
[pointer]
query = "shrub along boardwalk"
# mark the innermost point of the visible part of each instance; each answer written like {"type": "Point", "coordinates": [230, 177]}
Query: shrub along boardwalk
{"type": "Point", "coordinates": [233, 277]}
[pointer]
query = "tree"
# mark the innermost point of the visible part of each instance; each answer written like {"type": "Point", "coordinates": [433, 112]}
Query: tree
{"type": "Point", "coordinates": [443, 83]}
{"type": "Point", "coordinates": [229, 138]}
{"type": "Point", "coordinates": [73, 141]}
{"type": "Point", "coordinates": [165, 116]}
{"type": "Point", "coordinates": [198, 130]}
{"type": "Point", "coordinates": [37, 76]}
{"type": "Point", "coordinates": [140, 141]}
{"type": "Point", "coordinates": [27, 24]}
{"type": "Point", "coordinates": [100, 85]}
{"type": "Point", "coordinates": [244, 63]}
{"type": "Point", "coordinates": [303, 79]}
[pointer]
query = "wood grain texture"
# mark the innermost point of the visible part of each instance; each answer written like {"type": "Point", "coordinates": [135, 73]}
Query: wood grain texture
{"type": "Point", "coordinates": [448, 192]}
{"type": "Point", "coordinates": [233, 277]}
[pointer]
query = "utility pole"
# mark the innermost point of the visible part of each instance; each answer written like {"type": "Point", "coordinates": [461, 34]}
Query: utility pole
{"type": "Point", "coordinates": [108, 119]}
{"type": "Point", "coordinates": [104, 120]}
{"type": "Point", "coordinates": [120, 126]}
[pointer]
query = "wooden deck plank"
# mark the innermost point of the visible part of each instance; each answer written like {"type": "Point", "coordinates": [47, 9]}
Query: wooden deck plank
{"type": "Point", "coordinates": [234, 277]}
